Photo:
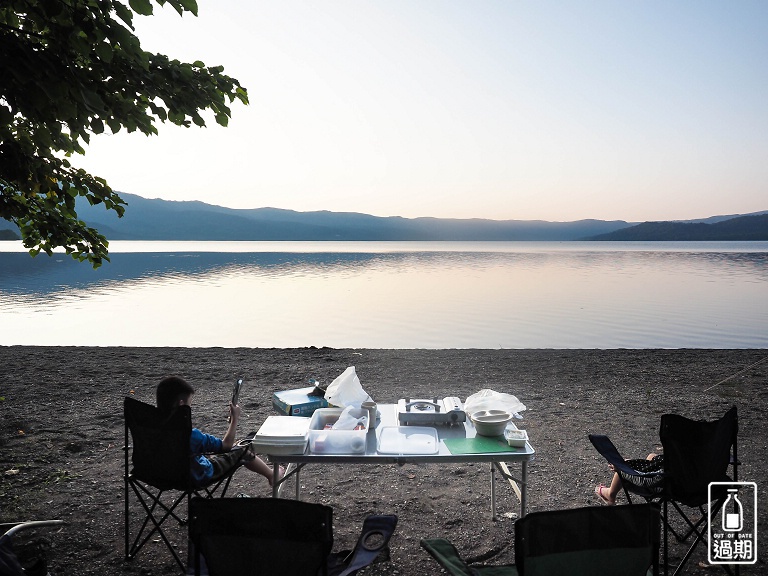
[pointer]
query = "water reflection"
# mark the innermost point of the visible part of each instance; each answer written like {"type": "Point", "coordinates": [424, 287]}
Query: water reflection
{"type": "Point", "coordinates": [543, 297]}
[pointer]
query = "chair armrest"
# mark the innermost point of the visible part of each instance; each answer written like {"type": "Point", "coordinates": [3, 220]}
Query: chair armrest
{"type": "Point", "coordinates": [30, 525]}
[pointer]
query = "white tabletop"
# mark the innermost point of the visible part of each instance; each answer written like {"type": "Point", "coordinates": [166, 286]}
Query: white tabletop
{"type": "Point", "coordinates": [388, 417]}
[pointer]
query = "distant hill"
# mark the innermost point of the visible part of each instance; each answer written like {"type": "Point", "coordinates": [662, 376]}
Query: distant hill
{"type": "Point", "coordinates": [9, 235]}
{"type": "Point", "coordinates": [147, 219]}
{"type": "Point", "coordinates": [166, 220]}
{"type": "Point", "coordinates": [752, 227]}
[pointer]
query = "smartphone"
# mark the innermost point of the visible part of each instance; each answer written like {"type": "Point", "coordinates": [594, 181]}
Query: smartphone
{"type": "Point", "coordinates": [236, 391]}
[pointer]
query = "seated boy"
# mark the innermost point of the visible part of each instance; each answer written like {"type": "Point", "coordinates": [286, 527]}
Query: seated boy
{"type": "Point", "coordinates": [173, 392]}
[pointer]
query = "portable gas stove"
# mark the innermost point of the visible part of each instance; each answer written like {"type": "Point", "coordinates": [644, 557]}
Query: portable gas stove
{"type": "Point", "coordinates": [435, 411]}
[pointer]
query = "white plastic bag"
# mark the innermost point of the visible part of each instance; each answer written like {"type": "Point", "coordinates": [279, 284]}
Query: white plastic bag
{"type": "Point", "coordinates": [346, 390]}
{"type": "Point", "coordinates": [490, 400]}
{"type": "Point", "coordinates": [348, 421]}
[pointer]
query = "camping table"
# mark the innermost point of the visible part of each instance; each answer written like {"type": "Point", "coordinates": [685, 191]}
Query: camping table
{"type": "Point", "coordinates": [497, 460]}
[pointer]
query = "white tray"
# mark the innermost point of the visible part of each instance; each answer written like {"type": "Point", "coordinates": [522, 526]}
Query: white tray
{"type": "Point", "coordinates": [282, 435]}
{"type": "Point", "coordinates": [408, 440]}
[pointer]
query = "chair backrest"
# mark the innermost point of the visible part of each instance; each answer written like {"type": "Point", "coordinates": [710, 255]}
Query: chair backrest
{"type": "Point", "coordinates": [160, 447]}
{"type": "Point", "coordinates": [605, 540]}
{"type": "Point", "coordinates": [696, 452]}
{"type": "Point", "coordinates": [261, 536]}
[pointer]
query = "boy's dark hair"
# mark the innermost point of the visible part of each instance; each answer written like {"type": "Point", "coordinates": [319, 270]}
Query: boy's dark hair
{"type": "Point", "coordinates": [170, 391]}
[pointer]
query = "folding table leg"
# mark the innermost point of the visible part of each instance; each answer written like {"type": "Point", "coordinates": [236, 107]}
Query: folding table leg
{"type": "Point", "coordinates": [493, 491]}
{"type": "Point", "coordinates": [521, 493]}
{"type": "Point", "coordinates": [524, 490]}
{"type": "Point", "coordinates": [290, 470]}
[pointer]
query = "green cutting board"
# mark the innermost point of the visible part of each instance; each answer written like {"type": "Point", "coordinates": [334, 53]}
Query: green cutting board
{"type": "Point", "coordinates": [479, 445]}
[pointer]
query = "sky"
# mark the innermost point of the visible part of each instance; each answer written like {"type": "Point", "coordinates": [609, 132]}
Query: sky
{"type": "Point", "coordinates": [523, 110]}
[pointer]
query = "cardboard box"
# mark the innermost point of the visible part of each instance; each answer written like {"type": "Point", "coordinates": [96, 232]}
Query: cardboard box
{"type": "Point", "coordinates": [298, 402]}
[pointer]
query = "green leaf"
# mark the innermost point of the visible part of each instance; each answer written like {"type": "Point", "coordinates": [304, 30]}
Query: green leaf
{"type": "Point", "coordinates": [190, 5]}
{"type": "Point", "coordinates": [104, 51]}
{"type": "Point", "coordinates": [176, 117]}
{"type": "Point", "coordinates": [143, 7]}
{"type": "Point", "coordinates": [124, 14]}
{"type": "Point", "coordinates": [114, 125]}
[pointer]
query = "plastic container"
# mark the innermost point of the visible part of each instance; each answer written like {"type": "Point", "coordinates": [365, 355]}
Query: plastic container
{"type": "Point", "coordinates": [282, 435]}
{"type": "Point", "coordinates": [326, 441]}
{"type": "Point", "coordinates": [515, 437]}
{"type": "Point", "coordinates": [408, 440]}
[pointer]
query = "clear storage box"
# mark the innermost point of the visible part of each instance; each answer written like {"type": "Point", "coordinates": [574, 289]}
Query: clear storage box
{"type": "Point", "coordinates": [323, 440]}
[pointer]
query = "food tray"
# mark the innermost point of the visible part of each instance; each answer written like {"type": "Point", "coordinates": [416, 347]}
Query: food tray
{"type": "Point", "coordinates": [515, 437]}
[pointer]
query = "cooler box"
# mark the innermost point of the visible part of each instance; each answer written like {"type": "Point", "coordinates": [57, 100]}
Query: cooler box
{"type": "Point", "coordinates": [323, 441]}
{"type": "Point", "coordinates": [298, 402]}
{"type": "Point", "coordinates": [281, 435]}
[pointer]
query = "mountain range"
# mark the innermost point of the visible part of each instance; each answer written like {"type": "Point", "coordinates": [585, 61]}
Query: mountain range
{"type": "Point", "coordinates": [153, 219]}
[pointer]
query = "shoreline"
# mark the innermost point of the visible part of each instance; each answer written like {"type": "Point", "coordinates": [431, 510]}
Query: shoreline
{"type": "Point", "coordinates": [66, 401]}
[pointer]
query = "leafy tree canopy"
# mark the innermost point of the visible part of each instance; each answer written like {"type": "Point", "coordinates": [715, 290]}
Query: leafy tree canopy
{"type": "Point", "coordinates": [72, 68]}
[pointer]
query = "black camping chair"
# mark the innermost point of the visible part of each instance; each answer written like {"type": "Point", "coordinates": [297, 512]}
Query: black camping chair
{"type": "Point", "coordinates": [255, 536]}
{"type": "Point", "coordinates": [10, 565]}
{"type": "Point", "coordinates": [696, 453]}
{"type": "Point", "coordinates": [160, 477]}
{"type": "Point", "coordinates": [610, 541]}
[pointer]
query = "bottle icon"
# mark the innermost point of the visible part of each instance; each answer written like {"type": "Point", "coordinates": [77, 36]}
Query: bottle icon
{"type": "Point", "coordinates": [733, 514]}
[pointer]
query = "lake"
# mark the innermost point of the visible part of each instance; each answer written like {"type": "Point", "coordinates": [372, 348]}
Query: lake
{"type": "Point", "coordinates": [392, 295]}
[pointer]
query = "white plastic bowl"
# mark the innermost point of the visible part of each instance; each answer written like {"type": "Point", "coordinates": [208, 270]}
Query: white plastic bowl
{"type": "Point", "coordinates": [490, 422]}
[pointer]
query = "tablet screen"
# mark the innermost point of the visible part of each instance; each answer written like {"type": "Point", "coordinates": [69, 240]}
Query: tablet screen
{"type": "Point", "coordinates": [236, 391]}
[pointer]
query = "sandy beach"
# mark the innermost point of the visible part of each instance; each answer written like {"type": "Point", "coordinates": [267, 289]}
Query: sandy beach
{"type": "Point", "coordinates": [61, 437]}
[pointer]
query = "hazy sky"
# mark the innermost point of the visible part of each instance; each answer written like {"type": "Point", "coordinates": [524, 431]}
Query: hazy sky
{"type": "Point", "coordinates": [651, 110]}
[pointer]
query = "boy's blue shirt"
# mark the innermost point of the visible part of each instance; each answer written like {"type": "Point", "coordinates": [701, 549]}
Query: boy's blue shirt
{"type": "Point", "coordinates": [199, 444]}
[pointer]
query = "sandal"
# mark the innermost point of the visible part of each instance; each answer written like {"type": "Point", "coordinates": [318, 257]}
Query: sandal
{"type": "Point", "coordinates": [599, 493]}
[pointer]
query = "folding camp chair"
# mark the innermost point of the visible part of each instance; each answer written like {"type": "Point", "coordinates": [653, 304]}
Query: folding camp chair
{"type": "Point", "coordinates": [161, 476]}
{"type": "Point", "coordinates": [696, 453]}
{"type": "Point", "coordinates": [595, 540]}
{"type": "Point", "coordinates": [10, 565]}
{"type": "Point", "coordinates": [266, 536]}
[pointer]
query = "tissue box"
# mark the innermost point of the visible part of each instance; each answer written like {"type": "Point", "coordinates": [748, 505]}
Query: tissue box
{"type": "Point", "coordinates": [324, 441]}
{"type": "Point", "coordinates": [298, 402]}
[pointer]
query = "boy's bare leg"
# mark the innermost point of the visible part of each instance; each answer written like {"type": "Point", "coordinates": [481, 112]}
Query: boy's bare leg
{"type": "Point", "coordinates": [259, 466]}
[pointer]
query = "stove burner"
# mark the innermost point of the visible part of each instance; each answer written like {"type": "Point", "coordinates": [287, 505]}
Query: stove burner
{"type": "Point", "coordinates": [422, 405]}
{"type": "Point", "coordinates": [420, 411]}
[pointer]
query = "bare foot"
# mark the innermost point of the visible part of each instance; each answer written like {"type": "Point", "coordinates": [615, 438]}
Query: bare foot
{"type": "Point", "coordinates": [603, 498]}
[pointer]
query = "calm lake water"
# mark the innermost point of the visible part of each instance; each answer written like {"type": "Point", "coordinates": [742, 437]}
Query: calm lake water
{"type": "Point", "coordinates": [392, 295]}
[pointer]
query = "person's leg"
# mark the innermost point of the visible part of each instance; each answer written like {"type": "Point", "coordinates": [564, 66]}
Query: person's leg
{"type": "Point", "coordinates": [607, 494]}
{"type": "Point", "coordinates": [260, 467]}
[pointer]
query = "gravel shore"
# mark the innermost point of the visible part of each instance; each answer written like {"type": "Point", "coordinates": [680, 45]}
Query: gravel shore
{"type": "Point", "coordinates": [61, 436]}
